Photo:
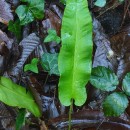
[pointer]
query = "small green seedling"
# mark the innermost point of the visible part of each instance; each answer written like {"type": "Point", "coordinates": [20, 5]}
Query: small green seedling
{"type": "Point", "coordinates": [52, 36]}
{"type": "Point", "coordinates": [15, 28]}
{"type": "Point", "coordinates": [33, 66]}
{"type": "Point", "coordinates": [30, 10]}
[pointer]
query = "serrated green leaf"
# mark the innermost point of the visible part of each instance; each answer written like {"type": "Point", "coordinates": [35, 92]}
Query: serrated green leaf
{"type": "Point", "coordinates": [104, 79]}
{"type": "Point", "coordinates": [115, 104]}
{"type": "Point", "coordinates": [33, 66]}
{"type": "Point", "coordinates": [15, 27]}
{"type": "Point", "coordinates": [76, 52]}
{"type": "Point", "coordinates": [20, 120]}
{"type": "Point", "coordinates": [49, 63]}
{"type": "Point", "coordinates": [15, 95]}
{"type": "Point", "coordinates": [27, 13]}
{"type": "Point", "coordinates": [52, 36]}
{"type": "Point", "coordinates": [100, 3]}
{"type": "Point", "coordinates": [126, 84]}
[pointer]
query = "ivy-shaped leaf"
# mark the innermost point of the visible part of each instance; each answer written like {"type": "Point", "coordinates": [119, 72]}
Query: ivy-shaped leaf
{"type": "Point", "coordinates": [27, 13]}
{"type": "Point", "coordinates": [33, 66]}
{"type": "Point", "coordinates": [120, 0]}
{"type": "Point", "coordinates": [126, 84]}
{"type": "Point", "coordinates": [76, 52]}
{"type": "Point", "coordinates": [52, 36]}
{"type": "Point", "coordinates": [15, 95]}
{"type": "Point", "coordinates": [49, 63]}
{"type": "Point", "coordinates": [15, 27]}
{"type": "Point", "coordinates": [36, 7]}
{"type": "Point", "coordinates": [20, 120]}
{"type": "Point", "coordinates": [100, 3]}
{"type": "Point", "coordinates": [115, 104]}
{"type": "Point", "coordinates": [24, 14]}
{"type": "Point", "coordinates": [104, 79]}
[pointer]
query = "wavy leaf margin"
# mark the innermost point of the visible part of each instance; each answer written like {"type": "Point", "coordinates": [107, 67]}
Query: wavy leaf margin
{"type": "Point", "coordinates": [76, 52]}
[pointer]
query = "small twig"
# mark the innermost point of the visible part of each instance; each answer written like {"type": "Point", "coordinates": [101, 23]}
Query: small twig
{"type": "Point", "coordinates": [100, 124]}
{"type": "Point", "coordinates": [125, 12]}
{"type": "Point", "coordinates": [114, 6]}
{"type": "Point", "coordinates": [46, 80]}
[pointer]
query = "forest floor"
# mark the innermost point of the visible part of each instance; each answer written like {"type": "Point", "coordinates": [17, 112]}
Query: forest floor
{"type": "Point", "coordinates": [111, 49]}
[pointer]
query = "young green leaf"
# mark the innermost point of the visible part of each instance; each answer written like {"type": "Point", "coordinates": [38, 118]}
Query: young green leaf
{"type": "Point", "coordinates": [126, 84]}
{"type": "Point", "coordinates": [52, 36]}
{"type": "Point", "coordinates": [20, 120]}
{"type": "Point", "coordinates": [100, 3]}
{"type": "Point", "coordinates": [115, 104]}
{"type": "Point", "coordinates": [24, 14]}
{"type": "Point", "coordinates": [76, 52]}
{"type": "Point", "coordinates": [49, 63]}
{"type": "Point", "coordinates": [27, 13]}
{"type": "Point", "coordinates": [120, 0]}
{"type": "Point", "coordinates": [15, 27]}
{"type": "Point", "coordinates": [63, 1]}
{"type": "Point", "coordinates": [15, 95]}
{"type": "Point", "coordinates": [36, 7]}
{"type": "Point", "coordinates": [33, 66]}
{"type": "Point", "coordinates": [104, 79]}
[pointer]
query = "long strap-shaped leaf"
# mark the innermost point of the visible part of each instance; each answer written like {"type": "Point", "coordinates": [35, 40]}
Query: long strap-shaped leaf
{"type": "Point", "coordinates": [15, 95]}
{"type": "Point", "coordinates": [76, 52]}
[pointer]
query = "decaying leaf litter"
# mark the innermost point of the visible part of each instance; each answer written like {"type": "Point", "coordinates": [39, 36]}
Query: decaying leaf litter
{"type": "Point", "coordinates": [111, 49]}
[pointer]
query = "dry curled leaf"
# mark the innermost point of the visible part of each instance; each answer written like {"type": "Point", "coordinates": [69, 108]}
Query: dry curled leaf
{"type": "Point", "coordinates": [104, 55]}
{"type": "Point", "coordinates": [28, 44]}
{"type": "Point", "coordinates": [4, 38]}
{"type": "Point", "coordinates": [5, 49]}
{"type": "Point", "coordinates": [5, 12]}
{"type": "Point", "coordinates": [52, 21]}
{"type": "Point", "coordinates": [7, 119]}
{"type": "Point", "coordinates": [121, 46]}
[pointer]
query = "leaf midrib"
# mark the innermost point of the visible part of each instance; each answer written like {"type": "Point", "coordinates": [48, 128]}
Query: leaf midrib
{"type": "Point", "coordinates": [75, 52]}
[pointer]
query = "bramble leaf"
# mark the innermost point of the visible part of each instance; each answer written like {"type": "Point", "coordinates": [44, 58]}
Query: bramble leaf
{"type": "Point", "coordinates": [49, 63]}
{"type": "Point", "coordinates": [27, 13]}
{"type": "Point", "coordinates": [33, 66]}
{"type": "Point", "coordinates": [126, 84]}
{"type": "Point", "coordinates": [104, 79]}
{"type": "Point", "coordinates": [115, 104]}
{"type": "Point", "coordinates": [52, 36]}
{"type": "Point", "coordinates": [15, 27]}
{"type": "Point", "coordinates": [15, 95]}
{"type": "Point", "coordinates": [76, 52]}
